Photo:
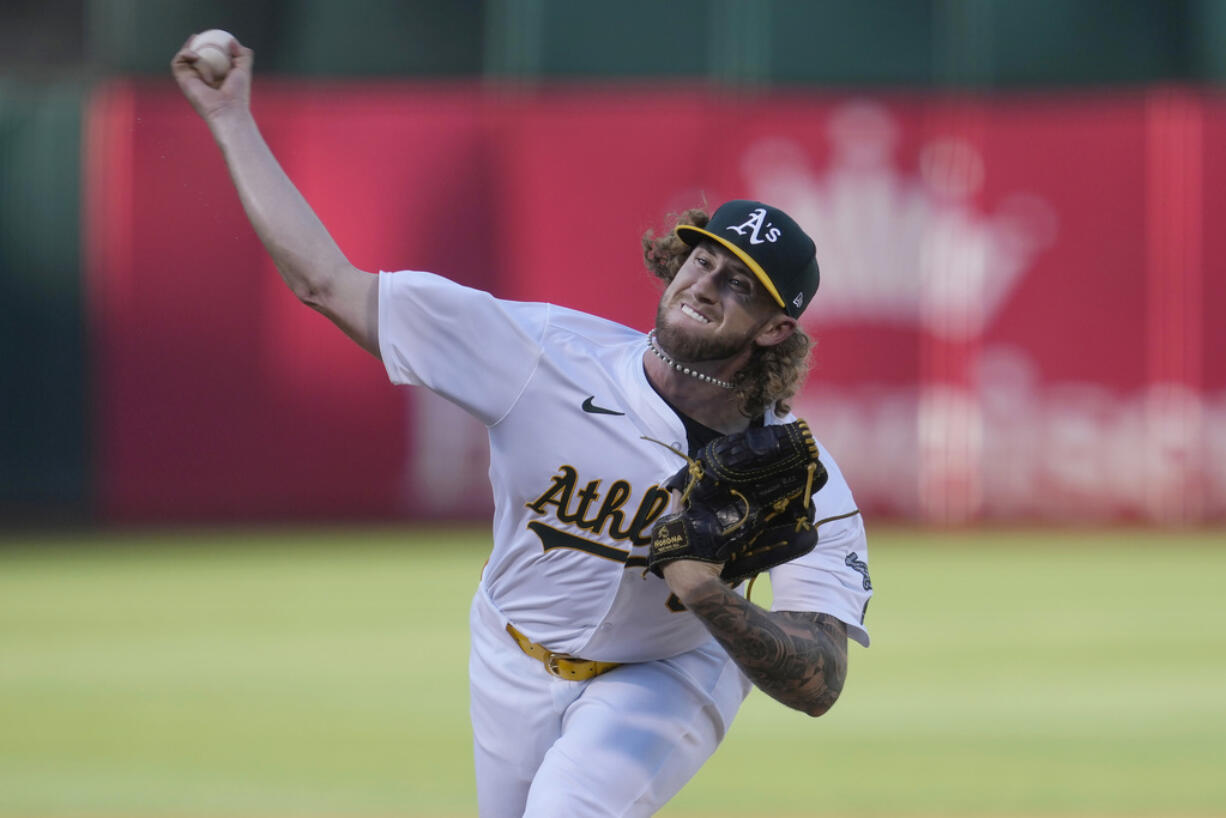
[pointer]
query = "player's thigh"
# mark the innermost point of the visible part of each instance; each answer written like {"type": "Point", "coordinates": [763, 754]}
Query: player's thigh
{"type": "Point", "coordinates": [636, 735]}
{"type": "Point", "coordinates": [516, 710]}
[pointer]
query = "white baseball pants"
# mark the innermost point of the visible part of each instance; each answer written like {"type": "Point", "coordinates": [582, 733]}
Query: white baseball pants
{"type": "Point", "coordinates": [620, 744]}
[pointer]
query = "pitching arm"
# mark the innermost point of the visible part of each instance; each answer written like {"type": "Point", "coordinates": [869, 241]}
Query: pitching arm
{"type": "Point", "coordinates": [798, 658]}
{"type": "Point", "coordinates": [305, 254]}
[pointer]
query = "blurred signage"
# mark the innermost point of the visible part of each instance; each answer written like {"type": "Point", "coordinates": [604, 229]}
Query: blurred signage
{"type": "Point", "coordinates": [1012, 324]}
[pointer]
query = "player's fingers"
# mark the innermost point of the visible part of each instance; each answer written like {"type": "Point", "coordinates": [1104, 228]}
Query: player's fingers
{"type": "Point", "coordinates": [205, 71]}
{"type": "Point", "coordinates": [183, 60]}
{"type": "Point", "coordinates": [186, 71]}
{"type": "Point", "coordinates": [184, 56]}
{"type": "Point", "coordinates": [237, 82]}
{"type": "Point", "coordinates": [187, 66]}
{"type": "Point", "coordinates": [241, 56]}
{"type": "Point", "coordinates": [191, 73]}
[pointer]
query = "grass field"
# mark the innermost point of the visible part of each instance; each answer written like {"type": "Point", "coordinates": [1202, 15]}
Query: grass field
{"type": "Point", "coordinates": [323, 673]}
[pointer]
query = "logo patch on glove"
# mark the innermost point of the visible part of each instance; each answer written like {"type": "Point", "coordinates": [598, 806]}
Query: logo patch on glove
{"type": "Point", "coordinates": [669, 536]}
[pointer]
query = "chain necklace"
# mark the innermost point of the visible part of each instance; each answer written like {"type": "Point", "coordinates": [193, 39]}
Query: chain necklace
{"type": "Point", "coordinates": [682, 368]}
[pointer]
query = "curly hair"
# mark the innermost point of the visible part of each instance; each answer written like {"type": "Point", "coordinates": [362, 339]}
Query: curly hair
{"type": "Point", "coordinates": [773, 374]}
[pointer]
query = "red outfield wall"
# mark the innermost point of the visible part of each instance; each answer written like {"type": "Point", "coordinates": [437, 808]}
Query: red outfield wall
{"type": "Point", "coordinates": [1019, 317]}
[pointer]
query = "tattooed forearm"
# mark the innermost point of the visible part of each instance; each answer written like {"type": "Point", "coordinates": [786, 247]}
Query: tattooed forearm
{"type": "Point", "coordinates": [798, 658]}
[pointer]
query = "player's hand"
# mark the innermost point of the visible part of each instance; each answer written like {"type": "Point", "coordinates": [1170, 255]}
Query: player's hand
{"type": "Point", "coordinates": [210, 98]}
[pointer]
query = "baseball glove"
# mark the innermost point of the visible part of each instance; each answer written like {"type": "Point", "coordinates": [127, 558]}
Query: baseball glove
{"type": "Point", "coordinates": [746, 502]}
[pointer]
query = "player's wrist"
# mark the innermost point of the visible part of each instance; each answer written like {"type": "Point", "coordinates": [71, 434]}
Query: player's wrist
{"type": "Point", "coordinates": [225, 120]}
{"type": "Point", "coordinates": [687, 578]}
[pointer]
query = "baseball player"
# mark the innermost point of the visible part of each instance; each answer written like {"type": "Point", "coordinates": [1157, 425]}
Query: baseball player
{"type": "Point", "coordinates": [598, 688]}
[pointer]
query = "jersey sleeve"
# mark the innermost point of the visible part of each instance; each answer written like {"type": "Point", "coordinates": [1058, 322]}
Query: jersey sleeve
{"type": "Point", "coordinates": [832, 579]}
{"type": "Point", "coordinates": [473, 349]}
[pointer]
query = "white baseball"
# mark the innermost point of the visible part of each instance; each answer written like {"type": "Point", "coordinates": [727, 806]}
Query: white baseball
{"type": "Point", "coordinates": [213, 46]}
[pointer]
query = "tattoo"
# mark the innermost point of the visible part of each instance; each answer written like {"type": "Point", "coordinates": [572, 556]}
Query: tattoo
{"type": "Point", "coordinates": [798, 658]}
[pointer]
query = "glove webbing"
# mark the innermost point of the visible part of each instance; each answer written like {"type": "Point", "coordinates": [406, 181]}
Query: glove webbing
{"type": "Point", "coordinates": [782, 503]}
{"type": "Point", "coordinates": [696, 474]}
{"type": "Point", "coordinates": [694, 467]}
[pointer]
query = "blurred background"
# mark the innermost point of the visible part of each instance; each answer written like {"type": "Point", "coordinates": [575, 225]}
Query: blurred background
{"type": "Point", "coordinates": [235, 562]}
{"type": "Point", "coordinates": [1013, 204]}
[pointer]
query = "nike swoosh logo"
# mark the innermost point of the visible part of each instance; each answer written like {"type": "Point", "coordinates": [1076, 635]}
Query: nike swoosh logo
{"type": "Point", "coordinates": [588, 406]}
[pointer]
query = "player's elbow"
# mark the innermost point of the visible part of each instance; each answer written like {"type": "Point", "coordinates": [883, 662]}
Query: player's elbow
{"type": "Point", "coordinates": [820, 705]}
{"type": "Point", "coordinates": [822, 696]}
{"type": "Point", "coordinates": [811, 703]}
{"type": "Point", "coordinates": [316, 286]}
{"type": "Point", "coordinates": [311, 287]}
{"type": "Point", "coordinates": [814, 699]}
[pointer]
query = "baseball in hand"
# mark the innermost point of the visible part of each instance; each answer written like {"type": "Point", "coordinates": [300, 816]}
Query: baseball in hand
{"type": "Point", "coordinates": [213, 46]}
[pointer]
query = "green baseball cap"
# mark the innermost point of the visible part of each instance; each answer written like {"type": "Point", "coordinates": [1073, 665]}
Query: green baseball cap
{"type": "Point", "coordinates": [770, 243]}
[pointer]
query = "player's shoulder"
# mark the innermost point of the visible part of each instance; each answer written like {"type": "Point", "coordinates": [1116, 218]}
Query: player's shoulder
{"type": "Point", "coordinates": [835, 500]}
{"type": "Point", "coordinates": [538, 318]}
{"type": "Point", "coordinates": [573, 338]}
{"type": "Point", "coordinates": [565, 321]}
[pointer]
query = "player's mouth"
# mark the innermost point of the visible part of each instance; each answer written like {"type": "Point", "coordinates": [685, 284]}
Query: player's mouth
{"type": "Point", "coordinates": [694, 314]}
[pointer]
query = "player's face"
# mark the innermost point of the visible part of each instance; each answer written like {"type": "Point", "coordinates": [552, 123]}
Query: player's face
{"type": "Point", "coordinates": [714, 308]}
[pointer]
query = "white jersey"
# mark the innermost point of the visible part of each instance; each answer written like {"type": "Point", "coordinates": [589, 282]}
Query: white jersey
{"type": "Point", "coordinates": [576, 484]}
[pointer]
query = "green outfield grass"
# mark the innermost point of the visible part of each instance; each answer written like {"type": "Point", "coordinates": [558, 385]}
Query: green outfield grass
{"type": "Point", "coordinates": [323, 673]}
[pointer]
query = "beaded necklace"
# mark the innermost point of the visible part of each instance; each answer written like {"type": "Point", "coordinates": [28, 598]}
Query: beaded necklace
{"type": "Point", "coordinates": [683, 369]}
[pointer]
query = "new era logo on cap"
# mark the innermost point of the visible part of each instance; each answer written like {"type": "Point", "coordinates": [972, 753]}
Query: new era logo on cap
{"type": "Point", "coordinates": [770, 243]}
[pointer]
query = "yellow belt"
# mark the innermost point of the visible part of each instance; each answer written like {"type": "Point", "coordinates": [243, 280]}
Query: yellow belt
{"type": "Point", "coordinates": [559, 664]}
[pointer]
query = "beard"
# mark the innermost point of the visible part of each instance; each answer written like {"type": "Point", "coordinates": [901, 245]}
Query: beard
{"type": "Point", "coordinates": [691, 349]}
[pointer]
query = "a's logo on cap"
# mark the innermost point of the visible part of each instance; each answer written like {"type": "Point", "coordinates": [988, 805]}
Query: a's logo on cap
{"type": "Point", "coordinates": [754, 224]}
{"type": "Point", "coordinates": [799, 300]}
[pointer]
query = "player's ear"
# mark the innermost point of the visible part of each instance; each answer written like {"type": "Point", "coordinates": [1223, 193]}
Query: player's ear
{"type": "Point", "coordinates": [777, 329]}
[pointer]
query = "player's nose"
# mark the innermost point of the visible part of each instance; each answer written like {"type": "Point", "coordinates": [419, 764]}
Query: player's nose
{"type": "Point", "coordinates": [706, 286]}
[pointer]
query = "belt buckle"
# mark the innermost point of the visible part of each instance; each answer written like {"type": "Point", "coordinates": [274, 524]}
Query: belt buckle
{"type": "Point", "coordinates": [551, 663]}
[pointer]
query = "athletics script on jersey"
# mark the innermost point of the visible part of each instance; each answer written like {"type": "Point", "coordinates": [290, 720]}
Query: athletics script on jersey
{"type": "Point", "coordinates": [604, 515]}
